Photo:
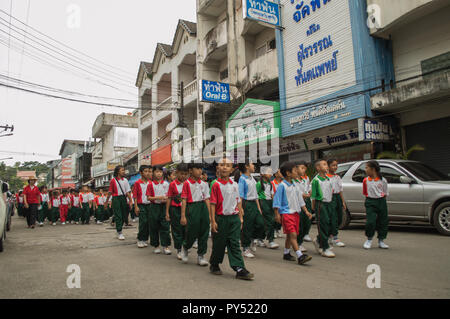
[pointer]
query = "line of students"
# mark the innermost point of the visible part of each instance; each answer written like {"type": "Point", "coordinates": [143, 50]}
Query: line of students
{"type": "Point", "coordinates": [242, 212]}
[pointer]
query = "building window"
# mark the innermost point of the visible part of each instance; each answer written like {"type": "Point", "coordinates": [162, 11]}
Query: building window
{"type": "Point", "coordinates": [440, 62]}
{"type": "Point", "coordinates": [223, 74]}
{"type": "Point", "coordinates": [272, 45]}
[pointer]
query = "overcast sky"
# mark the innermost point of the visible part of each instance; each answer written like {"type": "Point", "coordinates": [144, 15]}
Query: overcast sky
{"type": "Point", "coordinates": [118, 32]}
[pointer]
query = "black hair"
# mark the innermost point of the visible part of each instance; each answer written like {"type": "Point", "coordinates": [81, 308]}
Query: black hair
{"type": "Point", "coordinates": [331, 161]}
{"type": "Point", "coordinates": [376, 167]}
{"type": "Point", "coordinates": [318, 161]}
{"type": "Point", "coordinates": [299, 163]}
{"type": "Point", "coordinates": [195, 165]}
{"type": "Point", "coordinates": [42, 187]}
{"type": "Point", "coordinates": [158, 168]}
{"type": "Point", "coordinates": [117, 169]}
{"type": "Point", "coordinates": [236, 175]}
{"type": "Point", "coordinates": [143, 167]}
{"type": "Point", "coordinates": [287, 167]}
{"type": "Point", "coordinates": [183, 167]}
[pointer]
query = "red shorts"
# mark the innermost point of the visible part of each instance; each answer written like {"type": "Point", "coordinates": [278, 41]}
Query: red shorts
{"type": "Point", "coordinates": [291, 223]}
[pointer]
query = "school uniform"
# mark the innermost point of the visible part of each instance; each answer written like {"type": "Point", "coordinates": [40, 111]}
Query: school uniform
{"type": "Point", "coordinates": [289, 202]}
{"type": "Point", "coordinates": [44, 211]}
{"type": "Point", "coordinates": [225, 196]}
{"type": "Point", "coordinates": [159, 226]}
{"type": "Point", "coordinates": [20, 205]}
{"type": "Point", "coordinates": [140, 195]}
{"type": "Point", "coordinates": [64, 207]}
{"type": "Point", "coordinates": [253, 227]}
{"type": "Point", "coordinates": [33, 196]}
{"type": "Point", "coordinates": [70, 211]}
{"type": "Point", "coordinates": [277, 226]}
{"type": "Point", "coordinates": [119, 188]}
{"type": "Point", "coordinates": [76, 208]}
{"type": "Point", "coordinates": [197, 214]}
{"type": "Point", "coordinates": [100, 211]}
{"type": "Point", "coordinates": [376, 191]}
{"type": "Point", "coordinates": [336, 203]}
{"type": "Point", "coordinates": [55, 209]}
{"type": "Point", "coordinates": [322, 193]}
{"type": "Point", "coordinates": [178, 230]}
{"type": "Point", "coordinates": [305, 223]}
{"type": "Point", "coordinates": [265, 196]}
{"type": "Point", "coordinates": [85, 199]}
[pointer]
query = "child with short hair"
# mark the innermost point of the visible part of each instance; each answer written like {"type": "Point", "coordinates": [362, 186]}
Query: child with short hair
{"type": "Point", "coordinates": [278, 178]}
{"type": "Point", "coordinates": [76, 207]}
{"type": "Point", "coordinates": [55, 203]}
{"type": "Point", "coordinates": [100, 207]}
{"type": "Point", "coordinates": [43, 212]}
{"type": "Point", "coordinates": [64, 206]}
{"type": "Point", "coordinates": [142, 205]}
{"type": "Point", "coordinates": [338, 203]}
{"type": "Point", "coordinates": [288, 202]}
{"type": "Point", "coordinates": [265, 196]}
{"type": "Point", "coordinates": [195, 214]}
{"type": "Point", "coordinates": [226, 215]}
{"type": "Point", "coordinates": [322, 196]}
{"type": "Point", "coordinates": [375, 189]}
{"type": "Point", "coordinates": [86, 205]}
{"type": "Point", "coordinates": [305, 220]}
{"type": "Point", "coordinates": [159, 226]}
{"type": "Point", "coordinates": [253, 228]}
{"type": "Point", "coordinates": [173, 207]}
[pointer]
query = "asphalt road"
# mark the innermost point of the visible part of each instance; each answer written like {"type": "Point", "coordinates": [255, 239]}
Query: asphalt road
{"type": "Point", "coordinates": [34, 265]}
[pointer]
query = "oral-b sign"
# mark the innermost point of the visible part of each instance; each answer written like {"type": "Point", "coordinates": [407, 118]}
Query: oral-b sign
{"type": "Point", "coordinates": [262, 10]}
{"type": "Point", "coordinates": [214, 92]}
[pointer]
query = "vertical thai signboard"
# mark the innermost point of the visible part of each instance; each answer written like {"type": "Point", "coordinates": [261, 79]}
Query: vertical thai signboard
{"type": "Point", "coordinates": [262, 11]}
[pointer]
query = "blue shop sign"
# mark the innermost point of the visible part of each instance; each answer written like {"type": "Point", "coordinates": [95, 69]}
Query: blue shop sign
{"type": "Point", "coordinates": [215, 92]}
{"type": "Point", "coordinates": [263, 11]}
{"type": "Point", "coordinates": [373, 130]}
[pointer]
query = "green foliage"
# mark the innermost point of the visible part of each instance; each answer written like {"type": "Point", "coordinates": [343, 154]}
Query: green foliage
{"type": "Point", "coordinates": [405, 156]}
{"type": "Point", "coordinates": [9, 175]}
{"type": "Point", "coordinates": [34, 166]}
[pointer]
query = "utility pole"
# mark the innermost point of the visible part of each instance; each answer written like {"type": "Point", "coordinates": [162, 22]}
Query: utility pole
{"type": "Point", "coordinates": [181, 113]}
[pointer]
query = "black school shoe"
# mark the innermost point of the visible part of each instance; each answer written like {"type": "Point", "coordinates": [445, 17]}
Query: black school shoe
{"type": "Point", "coordinates": [304, 259]}
{"type": "Point", "coordinates": [215, 270]}
{"type": "Point", "coordinates": [288, 257]}
{"type": "Point", "coordinates": [244, 274]}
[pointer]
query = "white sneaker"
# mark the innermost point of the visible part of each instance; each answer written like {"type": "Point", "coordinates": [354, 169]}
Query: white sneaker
{"type": "Point", "coordinates": [382, 245]}
{"type": "Point", "coordinates": [140, 244]}
{"type": "Point", "coordinates": [338, 243]}
{"type": "Point", "coordinates": [54, 224]}
{"type": "Point", "coordinates": [368, 244]}
{"type": "Point", "coordinates": [145, 244]}
{"type": "Point", "coordinates": [202, 262]}
{"type": "Point", "coordinates": [273, 245]}
{"type": "Point", "coordinates": [307, 238]}
{"type": "Point", "coordinates": [157, 250]}
{"type": "Point", "coordinates": [63, 223]}
{"type": "Point", "coordinates": [253, 246]}
{"type": "Point", "coordinates": [184, 255]}
{"type": "Point", "coordinates": [260, 243]}
{"type": "Point", "coordinates": [41, 224]}
{"type": "Point", "coordinates": [195, 245]}
{"type": "Point", "coordinates": [167, 251]}
{"type": "Point", "coordinates": [179, 256]}
{"type": "Point", "coordinates": [302, 249]}
{"type": "Point", "coordinates": [134, 220]}
{"type": "Point", "coordinates": [317, 246]}
{"type": "Point", "coordinates": [328, 253]}
{"type": "Point", "coordinates": [99, 222]}
{"type": "Point", "coordinates": [76, 223]}
{"type": "Point", "coordinates": [247, 253]}
{"type": "Point", "coordinates": [121, 236]}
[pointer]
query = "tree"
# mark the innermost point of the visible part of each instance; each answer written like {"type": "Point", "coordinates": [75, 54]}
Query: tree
{"type": "Point", "coordinates": [9, 175]}
{"type": "Point", "coordinates": [403, 156]}
{"type": "Point", "coordinates": [34, 166]}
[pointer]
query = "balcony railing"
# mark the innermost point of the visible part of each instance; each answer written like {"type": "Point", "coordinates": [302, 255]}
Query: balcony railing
{"type": "Point", "coordinates": [146, 117]}
{"type": "Point", "coordinates": [164, 105]}
{"type": "Point", "coordinates": [190, 89]}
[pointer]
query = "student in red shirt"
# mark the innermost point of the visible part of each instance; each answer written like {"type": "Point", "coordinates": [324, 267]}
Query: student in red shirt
{"type": "Point", "coordinates": [173, 207]}
{"type": "Point", "coordinates": [64, 207]}
{"type": "Point", "coordinates": [32, 200]}
{"type": "Point", "coordinates": [142, 205]}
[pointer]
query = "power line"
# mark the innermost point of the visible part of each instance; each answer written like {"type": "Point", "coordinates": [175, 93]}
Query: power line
{"type": "Point", "coordinates": [24, 39]}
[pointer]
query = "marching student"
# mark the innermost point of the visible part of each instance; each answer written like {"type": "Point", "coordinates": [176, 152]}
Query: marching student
{"type": "Point", "coordinates": [288, 202]}
{"type": "Point", "coordinates": [32, 200]}
{"type": "Point", "coordinates": [253, 228]}
{"type": "Point", "coordinates": [99, 202]}
{"type": "Point", "coordinates": [265, 196]}
{"type": "Point", "coordinates": [195, 214]}
{"type": "Point", "coordinates": [159, 226]}
{"type": "Point", "coordinates": [305, 220]}
{"type": "Point", "coordinates": [20, 204]}
{"type": "Point", "coordinates": [86, 205]}
{"type": "Point", "coordinates": [338, 203]}
{"type": "Point", "coordinates": [173, 207]}
{"type": "Point", "coordinates": [142, 205]}
{"type": "Point", "coordinates": [226, 215]}
{"type": "Point", "coordinates": [375, 189]}
{"type": "Point", "coordinates": [55, 203]}
{"type": "Point", "coordinates": [120, 190]}
{"type": "Point", "coordinates": [44, 208]}
{"type": "Point", "coordinates": [322, 196]}
{"type": "Point", "coordinates": [76, 207]}
{"type": "Point", "coordinates": [91, 198]}
{"type": "Point", "coordinates": [64, 206]}
{"type": "Point", "coordinates": [171, 175]}
{"type": "Point", "coordinates": [69, 219]}
{"type": "Point", "coordinates": [278, 178]}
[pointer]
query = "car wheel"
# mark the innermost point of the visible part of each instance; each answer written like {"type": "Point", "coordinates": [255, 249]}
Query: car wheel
{"type": "Point", "coordinates": [442, 218]}
{"type": "Point", "coordinates": [346, 218]}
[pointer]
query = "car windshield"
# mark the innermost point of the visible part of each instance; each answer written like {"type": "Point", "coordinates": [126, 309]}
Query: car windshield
{"type": "Point", "coordinates": [343, 169]}
{"type": "Point", "coordinates": [424, 172]}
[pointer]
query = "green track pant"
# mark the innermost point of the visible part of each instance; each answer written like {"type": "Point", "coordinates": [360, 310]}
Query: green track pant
{"type": "Point", "coordinates": [269, 218]}
{"type": "Point", "coordinates": [336, 214]}
{"type": "Point", "coordinates": [43, 213]}
{"type": "Point", "coordinates": [197, 216]}
{"type": "Point", "coordinates": [100, 213]}
{"type": "Point", "coordinates": [159, 226]}
{"type": "Point", "coordinates": [377, 218]}
{"type": "Point", "coordinates": [228, 235]}
{"type": "Point", "coordinates": [253, 227]}
{"type": "Point", "coordinates": [144, 222]}
{"type": "Point", "coordinates": [120, 210]}
{"type": "Point", "coordinates": [178, 230]}
{"type": "Point", "coordinates": [76, 214]}
{"type": "Point", "coordinates": [54, 214]}
{"type": "Point", "coordinates": [323, 223]}
{"type": "Point", "coordinates": [85, 213]}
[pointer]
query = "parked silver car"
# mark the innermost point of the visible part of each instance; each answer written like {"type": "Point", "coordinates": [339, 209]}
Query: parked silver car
{"type": "Point", "coordinates": [417, 192]}
{"type": "Point", "coordinates": [3, 213]}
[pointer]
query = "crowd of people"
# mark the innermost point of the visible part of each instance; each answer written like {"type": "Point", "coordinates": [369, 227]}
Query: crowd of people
{"type": "Point", "coordinates": [237, 211]}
